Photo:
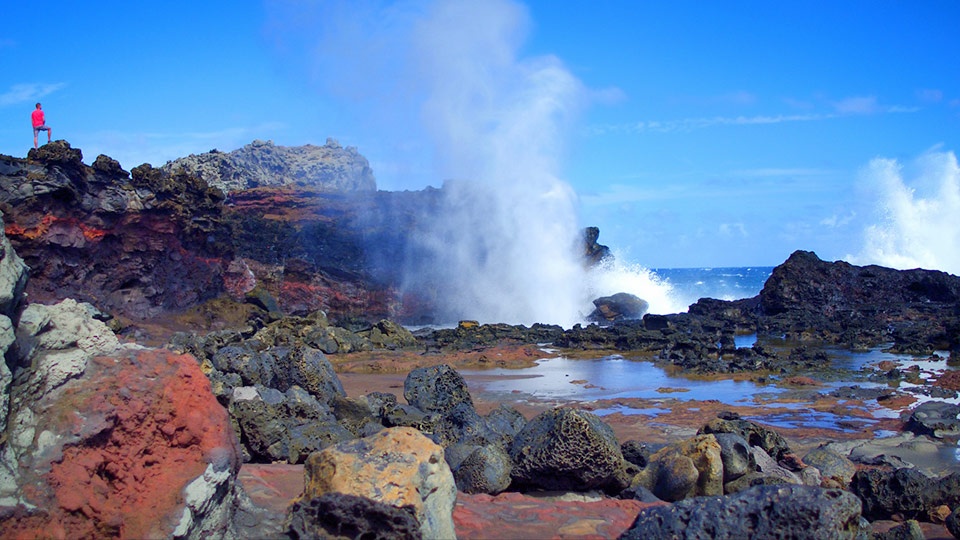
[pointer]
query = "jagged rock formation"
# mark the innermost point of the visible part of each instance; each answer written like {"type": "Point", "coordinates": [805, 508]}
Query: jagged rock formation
{"type": "Point", "coordinates": [263, 164]}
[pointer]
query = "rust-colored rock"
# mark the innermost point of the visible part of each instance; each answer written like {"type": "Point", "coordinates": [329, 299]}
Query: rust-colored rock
{"type": "Point", "coordinates": [135, 439]}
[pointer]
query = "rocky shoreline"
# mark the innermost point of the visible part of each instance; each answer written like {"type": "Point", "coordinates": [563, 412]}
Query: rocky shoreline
{"type": "Point", "coordinates": [200, 375]}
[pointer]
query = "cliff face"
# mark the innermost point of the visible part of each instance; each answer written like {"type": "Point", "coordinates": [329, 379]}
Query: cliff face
{"type": "Point", "coordinates": [330, 167]}
{"type": "Point", "coordinates": [151, 241]}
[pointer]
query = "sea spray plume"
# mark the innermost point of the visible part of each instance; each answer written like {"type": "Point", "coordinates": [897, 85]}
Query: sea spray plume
{"type": "Point", "coordinates": [918, 224]}
{"type": "Point", "coordinates": [503, 246]}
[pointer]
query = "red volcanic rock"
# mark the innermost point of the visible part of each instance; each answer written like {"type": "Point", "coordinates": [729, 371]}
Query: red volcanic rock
{"type": "Point", "coordinates": [138, 434]}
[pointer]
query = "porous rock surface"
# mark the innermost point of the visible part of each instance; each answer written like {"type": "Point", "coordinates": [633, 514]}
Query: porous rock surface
{"type": "Point", "coordinates": [799, 512]}
{"type": "Point", "coordinates": [568, 449]}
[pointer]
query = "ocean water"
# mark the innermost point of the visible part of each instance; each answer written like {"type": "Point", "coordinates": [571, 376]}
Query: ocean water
{"type": "Point", "coordinates": [687, 285]}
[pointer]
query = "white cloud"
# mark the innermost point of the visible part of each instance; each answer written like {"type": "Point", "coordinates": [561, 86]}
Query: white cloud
{"type": "Point", "coordinates": [838, 221]}
{"type": "Point", "coordinates": [733, 229]}
{"type": "Point", "coordinates": [857, 105]}
{"type": "Point", "coordinates": [27, 92]}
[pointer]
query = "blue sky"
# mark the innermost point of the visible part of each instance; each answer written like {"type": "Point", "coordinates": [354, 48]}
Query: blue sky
{"type": "Point", "coordinates": [701, 134]}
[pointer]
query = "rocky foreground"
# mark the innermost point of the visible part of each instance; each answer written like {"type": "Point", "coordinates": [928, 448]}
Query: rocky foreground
{"type": "Point", "coordinates": [116, 424]}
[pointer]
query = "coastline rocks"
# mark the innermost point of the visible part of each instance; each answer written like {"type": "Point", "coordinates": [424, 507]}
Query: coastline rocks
{"type": "Point", "coordinates": [935, 418]}
{"type": "Point", "coordinates": [618, 307]}
{"type": "Point", "coordinates": [685, 469]}
{"type": "Point", "coordinates": [339, 515]}
{"type": "Point", "coordinates": [568, 449]}
{"type": "Point", "coordinates": [397, 466]}
{"type": "Point", "coordinates": [832, 465]}
{"type": "Point", "coordinates": [282, 426]}
{"type": "Point", "coordinates": [756, 435]}
{"type": "Point", "coordinates": [261, 163]}
{"type": "Point", "coordinates": [134, 446]}
{"type": "Point", "coordinates": [903, 493]}
{"type": "Point", "coordinates": [799, 512]}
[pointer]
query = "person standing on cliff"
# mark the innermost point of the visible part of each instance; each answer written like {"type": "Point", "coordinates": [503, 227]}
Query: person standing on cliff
{"type": "Point", "coordinates": [39, 124]}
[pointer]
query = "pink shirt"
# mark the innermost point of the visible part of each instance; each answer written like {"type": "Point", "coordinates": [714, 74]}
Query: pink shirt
{"type": "Point", "coordinates": [37, 116]}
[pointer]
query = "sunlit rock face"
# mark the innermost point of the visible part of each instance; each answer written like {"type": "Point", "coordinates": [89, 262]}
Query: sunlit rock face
{"type": "Point", "coordinates": [262, 163]}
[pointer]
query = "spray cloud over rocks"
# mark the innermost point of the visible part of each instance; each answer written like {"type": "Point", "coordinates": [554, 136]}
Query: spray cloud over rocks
{"type": "Point", "coordinates": [505, 243]}
{"type": "Point", "coordinates": [916, 225]}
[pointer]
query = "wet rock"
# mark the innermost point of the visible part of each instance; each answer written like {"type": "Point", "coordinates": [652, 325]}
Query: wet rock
{"type": "Point", "coordinates": [567, 449]}
{"type": "Point", "coordinates": [935, 418]}
{"type": "Point", "coordinates": [761, 512]}
{"type": "Point", "coordinates": [617, 307]}
{"type": "Point", "coordinates": [902, 450]}
{"type": "Point", "coordinates": [831, 464]}
{"type": "Point", "coordinates": [339, 515]}
{"type": "Point", "coordinates": [685, 469]}
{"type": "Point", "coordinates": [397, 466]}
{"type": "Point", "coordinates": [593, 252]}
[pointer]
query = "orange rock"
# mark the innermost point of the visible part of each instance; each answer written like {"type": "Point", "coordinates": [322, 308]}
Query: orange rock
{"type": "Point", "coordinates": [397, 466]}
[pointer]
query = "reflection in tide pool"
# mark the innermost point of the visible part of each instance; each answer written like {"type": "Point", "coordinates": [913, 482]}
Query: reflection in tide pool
{"type": "Point", "coordinates": [611, 377]}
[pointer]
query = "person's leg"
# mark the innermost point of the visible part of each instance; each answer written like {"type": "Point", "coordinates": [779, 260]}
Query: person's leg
{"type": "Point", "coordinates": [49, 131]}
{"type": "Point", "coordinates": [34, 138]}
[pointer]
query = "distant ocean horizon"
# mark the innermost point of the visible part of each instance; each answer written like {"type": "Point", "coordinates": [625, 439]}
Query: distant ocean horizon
{"type": "Point", "coordinates": [688, 285]}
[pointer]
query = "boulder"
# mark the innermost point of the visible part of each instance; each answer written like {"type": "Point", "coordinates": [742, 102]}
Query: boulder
{"type": "Point", "coordinates": [436, 389]}
{"type": "Point", "coordinates": [397, 466]}
{"type": "Point", "coordinates": [832, 465]}
{"type": "Point", "coordinates": [903, 493]}
{"type": "Point", "coordinates": [133, 444]}
{"type": "Point", "coordinates": [618, 307]}
{"type": "Point", "coordinates": [935, 418]}
{"type": "Point", "coordinates": [799, 512]}
{"type": "Point", "coordinates": [339, 515]}
{"type": "Point", "coordinates": [685, 469]}
{"type": "Point", "coordinates": [568, 449]}
{"type": "Point", "coordinates": [756, 435]}
{"type": "Point", "coordinates": [736, 456]}
{"type": "Point", "coordinates": [485, 470]}
{"type": "Point", "coordinates": [282, 426]}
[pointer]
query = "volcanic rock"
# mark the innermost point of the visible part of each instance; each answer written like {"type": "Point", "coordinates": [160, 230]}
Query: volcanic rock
{"type": "Point", "coordinates": [133, 445]}
{"type": "Point", "coordinates": [935, 418]}
{"type": "Point", "coordinates": [618, 307]}
{"type": "Point", "coordinates": [684, 469]}
{"type": "Point", "coordinates": [800, 512]}
{"type": "Point", "coordinates": [903, 493]}
{"type": "Point", "coordinates": [261, 163]}
{"type": "Point", "coordinates": [397, 466]}
{"type": "Point", "coordinates": [568, 449]}
{"type": "Point", "coordinates": [339, 515]}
